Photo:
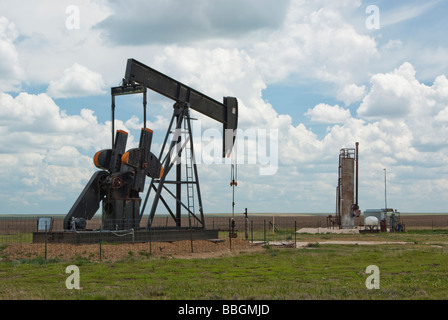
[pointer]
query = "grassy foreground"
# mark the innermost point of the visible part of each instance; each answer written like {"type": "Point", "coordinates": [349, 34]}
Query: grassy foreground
{"type": "Point", "coordinates": [412, 272]}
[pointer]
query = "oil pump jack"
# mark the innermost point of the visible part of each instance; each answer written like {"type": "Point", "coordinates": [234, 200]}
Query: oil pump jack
{"type": "Point", "coordinates": [117, 186]}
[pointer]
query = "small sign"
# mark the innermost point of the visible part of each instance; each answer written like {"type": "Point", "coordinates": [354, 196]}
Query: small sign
{"type": "Point", "coordinates": [44, 224]}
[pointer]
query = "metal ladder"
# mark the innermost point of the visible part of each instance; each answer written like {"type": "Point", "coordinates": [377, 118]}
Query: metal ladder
{"type": "Point", "coordinates": [189, 173]}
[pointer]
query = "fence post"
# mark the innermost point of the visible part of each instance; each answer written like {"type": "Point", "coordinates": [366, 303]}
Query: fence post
{"type": "Point", "coordinates": [295, 233]}
{"type": "Point", "coordinates": [252, 230]}
{"type": "Point", "coordinates": [101, 233]}
{"type": "Point", "coordinates": [264, 231]}
{"type": "Point", "coordinates": [230, 235]}
{"type": "Point", "coordinates": [191, 237]}
{"type": "Point", "coordinates": [150, 242]}
{"type": "Point", "coordinates": [46, 240]}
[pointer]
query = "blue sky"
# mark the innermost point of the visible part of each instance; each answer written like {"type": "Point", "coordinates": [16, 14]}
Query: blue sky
{"type": "Point", "coordinates": [309, 70]}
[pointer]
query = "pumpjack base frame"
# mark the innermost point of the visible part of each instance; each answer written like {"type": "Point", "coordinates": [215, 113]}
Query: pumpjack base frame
{"type": "Point", "coordinates": [127, 236]}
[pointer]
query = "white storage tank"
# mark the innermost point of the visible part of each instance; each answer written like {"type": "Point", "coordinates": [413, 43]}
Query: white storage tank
{"type": "Point", "coordinates": [371, 221]}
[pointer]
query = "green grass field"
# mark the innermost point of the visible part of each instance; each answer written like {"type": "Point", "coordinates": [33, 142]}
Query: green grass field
{"type": "Point", "coordinates": [415, 271]}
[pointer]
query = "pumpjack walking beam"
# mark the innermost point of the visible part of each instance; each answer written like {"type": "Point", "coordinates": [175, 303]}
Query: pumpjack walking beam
{"type": "Point", "coordinates": [185, 98]}
{"type": "Point", "coordinates": [226, 112]}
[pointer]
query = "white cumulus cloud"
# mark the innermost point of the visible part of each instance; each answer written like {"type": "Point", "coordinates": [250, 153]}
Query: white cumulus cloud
{"type": "Point", "coordinates": [351, 93]}
{"type": "Point", "coordinates": [47, 154]}
{"type": "Point", "coordinates": [324, 113]}
{"type": "Point", "coordinates": [11, 73]}
{"type": "Point", "coordinates": [76, 81]}
{"type": "Point", "coordinates": [400, 96]}
{"type": "Point", "coordinates": [318, 42]}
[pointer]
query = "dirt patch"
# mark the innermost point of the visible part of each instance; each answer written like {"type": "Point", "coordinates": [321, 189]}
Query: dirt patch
{"type": "Point", "coordinates": [328, 230]}
{"type": "Point", "coordinates": [305, 244]}
{"type": "Point", "coordinates": [179, 249]}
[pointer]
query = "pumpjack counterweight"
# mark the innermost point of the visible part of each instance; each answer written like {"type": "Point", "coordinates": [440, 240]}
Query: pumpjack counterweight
{"type": "Point", "coordinates": [123, 173]}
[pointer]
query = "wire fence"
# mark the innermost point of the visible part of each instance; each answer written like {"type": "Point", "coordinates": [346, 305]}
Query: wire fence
{"type": "Point", "coordinates": [44, 238]}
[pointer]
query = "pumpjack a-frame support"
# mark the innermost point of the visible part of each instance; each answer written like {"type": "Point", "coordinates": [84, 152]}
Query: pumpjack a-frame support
{"type": "Point", "coordinates": [181, 144]}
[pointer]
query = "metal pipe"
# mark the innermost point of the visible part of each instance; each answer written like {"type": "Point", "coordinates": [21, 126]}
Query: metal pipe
{"type": "Point", "coordinates": [144, 109]}
{"type": "Point", "coordinates": [113, 120]}
{"type": "Point", "coordinates": [385, 193]}
{"type": "Point", "coordinates": [356, 174]}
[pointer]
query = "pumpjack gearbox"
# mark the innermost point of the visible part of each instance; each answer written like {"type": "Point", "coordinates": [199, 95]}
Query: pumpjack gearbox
{"type": "Point", "coordinates": [117, 186]}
